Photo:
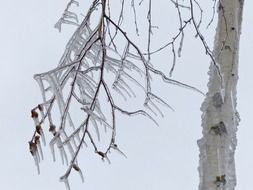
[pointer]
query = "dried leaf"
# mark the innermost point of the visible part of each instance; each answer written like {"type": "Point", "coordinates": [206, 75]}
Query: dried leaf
{"type": "Point", "coordinates": [101, 154]}
{"type": "Point", "coordinates": [37, 139]}
{"type": "Point", "coordinates": [76, 167]}
{"type": "Point", "coordinates": [33, 148]}
{"type": "Point", "coordinates": [40, 107]}
{"type": "Point", "coordinates": [39, 129]}
{"type": "Point", "coordinates": [34, 114]}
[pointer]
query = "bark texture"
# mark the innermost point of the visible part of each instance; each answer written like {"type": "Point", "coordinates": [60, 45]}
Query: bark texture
{"type": "Point", "coordinates": [220, 118]}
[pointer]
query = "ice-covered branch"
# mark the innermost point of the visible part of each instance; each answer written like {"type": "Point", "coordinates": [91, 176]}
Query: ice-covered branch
{"type": "Point", "coordinates": [82, 79]}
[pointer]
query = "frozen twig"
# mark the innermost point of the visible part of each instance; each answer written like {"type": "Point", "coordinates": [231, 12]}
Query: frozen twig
{"type": "Point", "coordinates": [81, 79]}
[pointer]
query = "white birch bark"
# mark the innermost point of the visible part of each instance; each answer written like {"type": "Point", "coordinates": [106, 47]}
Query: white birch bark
{"type": "Point", "coordinates": [220, 118]}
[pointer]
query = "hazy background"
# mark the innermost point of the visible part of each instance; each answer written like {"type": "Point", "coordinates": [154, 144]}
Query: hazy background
{"type": "Point", "coordinates": [164, 157]}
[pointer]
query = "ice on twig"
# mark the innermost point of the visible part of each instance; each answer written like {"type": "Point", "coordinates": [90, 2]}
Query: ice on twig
{"type": "Point", "coordinates": [138, 112]}
{"type": "Point", "coordinates": [149, 101]}
{"type": "Point", "coordinates": [65, 180]}
{"type": "Point", "coordinates": [37, 142]}
{"type": "Point", "coordinates": [95, 125]}
{"type": "Point", "coordinates": [51, 144]}
{"type": "Point", "coordinates": [68, 17]}
{"type": "Point", "coordinates": [77, 168]}
{"type": "Point", "coordinates": [96, 117]}
{"type": "Point", "coordinates": [115, 147]}
{"type": "Point", "coordinates": [37, 160]}
{"type": "Point", "coordinates": [119, 92]}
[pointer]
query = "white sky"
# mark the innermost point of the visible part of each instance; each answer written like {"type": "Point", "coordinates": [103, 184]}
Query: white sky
{"type": "Point", "coordinates": [164, 157]}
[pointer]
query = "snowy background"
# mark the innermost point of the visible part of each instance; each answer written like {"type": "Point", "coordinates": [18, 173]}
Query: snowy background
{"type": "Point", "coordinates": [164, 157]}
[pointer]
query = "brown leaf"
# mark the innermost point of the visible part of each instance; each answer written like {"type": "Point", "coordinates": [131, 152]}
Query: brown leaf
{"type": "Point", "coordinates": [52, 128]}
{"type": "Point", "coordinates": [32, 147]}
{"type": "Point", "coordinates": [38, 129]}
{"type": "Point", "coordinates": [37, 139]}
{"type": "Point", "coordinates": [101, 154]}
{"type": "Point", "coordinates": [76, 167]}
{"type": "Point", "coordinates": [34, 114]}
{"type": "Point", "coordinates": [40, 107]}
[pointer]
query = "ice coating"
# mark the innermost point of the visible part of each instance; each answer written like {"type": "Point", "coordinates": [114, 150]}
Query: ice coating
{"type": "Point", "coordinates": [219, 118]}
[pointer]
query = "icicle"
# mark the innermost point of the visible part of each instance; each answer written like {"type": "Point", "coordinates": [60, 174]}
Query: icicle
{"type": "Point", "coordinates": [131, 66]}
{"type": "Point", "coordinates": [74, 142]}
{"type": "Point", "coordinates": [65, 180]}
{"type": "Point", "coordinates": [56, 90]}
{"type": "Point", "coordinates": [81, 175]}
{"type": "Point", "coordinates": [94, 123]}
{"type": "Point", "coordinates": [119, 91]}
{"type": "Point", "coordinates": [36, 160]}
{"type": "Point", "coordinates": [160, 100]}
{"type": "Point", "coordinates": [96, 117]}
{"type": "Point", "coordinates": [147, 106]}
{"type": "Point", "coordinates": [41, 85]}
{"type": "Point", "coordinates": [37, 142]}
{"type": "Point", "coordinates": [70, 15]}
{"type": "Point", "coordinates": [62, 151]}
{"type": "Point", "coordinates": [115, 147]}
{"type": "Point", "coordinates": [67, 15]}
{"type": "Point", "coordinates": [76, 167]}
{"type": "Point", "coordinates": [52, 143]}
{"type": "Point", "coordinates": [107, 159]}
{"type": "Point", "coordinates": [86, 85]}
{"type": "Point", "coordinates": [67, 142]}
{"type": "Point", "coordinates": [131, 55]}
{"type": "Point", "coordinates": [98, 110]}
{"type": "Point", "coordinates": [34, 151]}
{"type": "Point", "coordinates": [156, 107]}
{"type": "Point", "coordinates": [120, 86]}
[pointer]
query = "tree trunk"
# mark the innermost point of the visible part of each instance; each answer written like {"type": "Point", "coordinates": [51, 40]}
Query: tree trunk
{"type": "Point", "coordinates": [220, 118]}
